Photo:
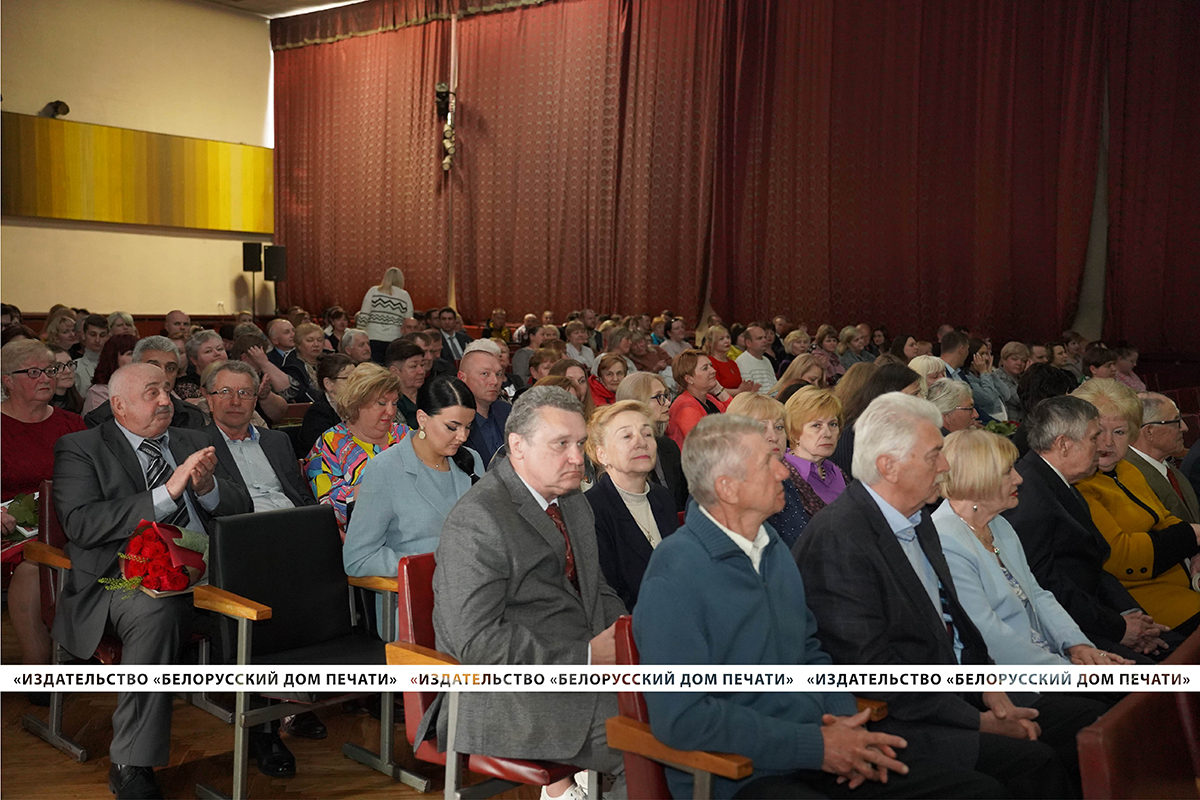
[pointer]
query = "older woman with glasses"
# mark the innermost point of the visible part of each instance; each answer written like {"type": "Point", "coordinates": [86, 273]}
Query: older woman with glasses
{"type": "Point", "coordinates": [632, 513]}
{"type": "Point", "coordinates": [1149, 544]}
{"type": "Point", "coordinates": [651, 391]}
{"type": "Point", "coordinates": [29, 428]}
{"type": "Point", "coordinates": [1021, 622]}
{"type": "Point", "coordinates": [956, 404]}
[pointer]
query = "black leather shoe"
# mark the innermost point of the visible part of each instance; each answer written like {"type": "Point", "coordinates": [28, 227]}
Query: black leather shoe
{"type": "Point", "coordinates": [273, 758]}
{"type": "Point", "coordinates": [306, 726]}
{"type": "Point", "coordinates": [375, 708]}
{"type": "Point", "coordinates": [133, 783]}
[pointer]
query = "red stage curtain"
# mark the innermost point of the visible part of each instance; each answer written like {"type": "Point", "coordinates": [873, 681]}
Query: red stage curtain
{"type": "Point", "coordinates": [358, 181]}
{"type": "Point", "coordinates": [1153, 286]}
{"type": "Point", "coordinates": [908, 162]}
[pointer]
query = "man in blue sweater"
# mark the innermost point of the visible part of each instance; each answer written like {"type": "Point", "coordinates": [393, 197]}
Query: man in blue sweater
{"type": "Point", "coordinates": [724, 590]}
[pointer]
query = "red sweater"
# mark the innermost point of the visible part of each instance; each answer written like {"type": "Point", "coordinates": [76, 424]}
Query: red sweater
{"type": "Point", "coordinates": [27, 450]}
{"type": "Point", "coordinates": [727, 373]}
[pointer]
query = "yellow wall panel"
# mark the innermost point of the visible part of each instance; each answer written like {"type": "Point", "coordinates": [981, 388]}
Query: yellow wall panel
{"type": "Point", "coordinates": [71, 170]}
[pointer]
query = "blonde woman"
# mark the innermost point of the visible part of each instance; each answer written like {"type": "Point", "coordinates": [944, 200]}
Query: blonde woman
{"type": "Point", "coordinates": [384, 309]}
{"type": "Point", "coordinates": [802, 371]}
{"type": "Point", "coordinates": [1021, 622]}
{"type": "Point", "coordinates": [930, 369]}
{"type": "Point", "coordinates": [633, 514]}
{"type": "Point", "coordinates": [716, 346]}
{"type": "Point", "coordinates": [651, 390]}
{"type": "Point", "coordinates": [120, 322]}
{"type": "Point", "coordinates": [852, 344]}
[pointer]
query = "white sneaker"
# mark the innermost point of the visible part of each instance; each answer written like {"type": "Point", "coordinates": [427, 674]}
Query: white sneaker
{"type": "Point", "coordinates": [575, 792]}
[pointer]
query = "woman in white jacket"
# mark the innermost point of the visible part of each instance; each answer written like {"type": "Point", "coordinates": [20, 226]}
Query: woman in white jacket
{"type": "Point", "coordinates": [384, 309]}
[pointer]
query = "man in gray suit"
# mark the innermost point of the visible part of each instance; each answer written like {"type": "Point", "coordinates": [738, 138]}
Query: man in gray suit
{"type": "Point", "coordinates": [107, 480]}
{"type": "Point", "coordinates": [518, 581]}
{"type": "Point", "coordinates": [1160, 437]}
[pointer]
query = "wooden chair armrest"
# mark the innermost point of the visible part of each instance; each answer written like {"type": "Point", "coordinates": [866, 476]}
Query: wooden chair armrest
{"type": "Point", "coordinates": [879, 709]}
{"type": "Point", "coordinates": [42, 553]}
{"type": "Point", "coordinates": [376, 583]}
{"type": "Point", "coordinates": [635, 737]}
{"type": "Point", "coordinates": [413, 655]}
{"type": "Point", "coordinates": [211, 598]}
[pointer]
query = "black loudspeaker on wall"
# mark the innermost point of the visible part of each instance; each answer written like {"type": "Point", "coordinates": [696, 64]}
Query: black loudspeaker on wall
{"type": "Point", "coordinates": [252, 256]}
{"type": "Point", "coordinates": [276, 263]}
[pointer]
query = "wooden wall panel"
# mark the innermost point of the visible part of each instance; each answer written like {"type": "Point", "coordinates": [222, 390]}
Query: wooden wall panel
{"type": "Point", "coordinates": [72, 170]}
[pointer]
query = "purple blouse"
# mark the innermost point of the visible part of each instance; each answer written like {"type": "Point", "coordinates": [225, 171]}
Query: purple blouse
{"type": "Point", "coordinates": [828, 489]}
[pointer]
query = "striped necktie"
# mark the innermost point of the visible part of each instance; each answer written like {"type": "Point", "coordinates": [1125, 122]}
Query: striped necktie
{"type": "Point", "coordinates": [157, 474]}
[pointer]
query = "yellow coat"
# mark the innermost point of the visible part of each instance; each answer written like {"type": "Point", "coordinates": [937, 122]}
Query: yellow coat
{"type": "Point", "coordinates": [1168, 597]}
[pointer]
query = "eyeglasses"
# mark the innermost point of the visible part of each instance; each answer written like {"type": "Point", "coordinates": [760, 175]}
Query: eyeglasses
{"type": "Point", "coordinates": [662, 398]}
{"type": "Point", "coordinates": [226, 393]}
{"type": "Point", "coordinates": [964, 408]}
{"type": "Point", "coordinates": [1176, 421]}
{"type": "Point", "coordinates": [37, 372]}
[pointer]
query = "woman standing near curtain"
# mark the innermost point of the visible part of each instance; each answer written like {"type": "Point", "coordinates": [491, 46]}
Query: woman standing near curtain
{"type": "Point", "coordinates": [384, 309]}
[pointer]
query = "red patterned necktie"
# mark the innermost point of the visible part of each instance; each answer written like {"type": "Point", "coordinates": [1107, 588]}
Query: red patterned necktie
{"type": "Point", "coordinates": [1175, 485]}
{"type": "Point", "coordinates": [555, 514]}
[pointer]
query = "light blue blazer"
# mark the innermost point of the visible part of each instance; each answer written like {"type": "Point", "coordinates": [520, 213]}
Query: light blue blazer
{"type": "Point", "coordinates": [399, 510]}
{"type": "Point", "coordinates": [988, 598]}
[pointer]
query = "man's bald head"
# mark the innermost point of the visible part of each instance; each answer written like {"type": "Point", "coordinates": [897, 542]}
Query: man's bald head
{"type": "Point", "coordinates": [141, 399]}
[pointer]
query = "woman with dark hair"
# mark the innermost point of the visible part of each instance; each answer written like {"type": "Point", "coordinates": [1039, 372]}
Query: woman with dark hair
{"type": "Point", "coordinates": [332, 369]}
{"type": "Point", "coordinates": [1040, 382]}
{"type": "Point", "coordinates": [904, 346]}
{"type": "Point", "coordinates": [674, 331]}
{"type": "Point", "coordinates": [336, 322]}
{"type": "Point", "coordinates": [116, 353]}
{"type": "Point", "coordinates": [408, 490]}
{"type": "Point", "coordinates": [980, 373]}
{"type": "Point", "coordinates": [881, 339]}
{"type": "Point", "coordinates": [66, 396]}
{"type": "Point", "coordinates": [888, 378]}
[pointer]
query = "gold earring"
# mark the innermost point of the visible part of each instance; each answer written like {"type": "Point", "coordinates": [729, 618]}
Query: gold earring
{"type": "Point", "coordinates": [421, 433]}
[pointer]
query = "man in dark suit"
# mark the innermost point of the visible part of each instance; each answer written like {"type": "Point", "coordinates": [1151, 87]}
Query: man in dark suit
{"type": "Point", "coordinates": [162, 352]}
{"type": "Point", "coordinates": [282, 335]}
{"type": "Point", "coordinates": [1065, 550]}
{"type": "Point", "coordinates": [454, 341]}
{"type": "Point", "coordinates": [518, 581]}
{"type": "Point", "coordinates": [259, 460]}
{"type": "Point", "coordinates": [107, 480]}
{"type": "Point", "coordinates": [878, 584]}
{"type": "Point", "coordinates": [262, 462]}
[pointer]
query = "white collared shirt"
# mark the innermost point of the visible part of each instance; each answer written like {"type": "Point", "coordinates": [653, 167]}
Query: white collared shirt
{"type": "Point", "coordinates": [1158, 465]}
{"type": "Point", "coordinates": [1061, 477]}
{"type": "Point", "coordinates": [753, 549]}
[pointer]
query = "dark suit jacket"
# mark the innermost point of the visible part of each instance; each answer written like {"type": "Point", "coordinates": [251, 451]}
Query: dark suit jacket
{"type": "Point", "coordinates": [624, 549]}
{"type": "Point", "coordinates": [1191, 466]}
{"type": "Point", "coordinates": [100, 494]}
{"type": "Point", "coordinates": [671, 461]}
{"type": "Point", "coordinates": [871, 608]}
{"type": "Point", "coordinates": [460, 337]}
{"type": "Point", "coordinates": [319, 418]}
{"type": "Point", "coordinates": [186, 415]}
{"type": "Point", "coordinates": [277, 447]}
{"type": "Point", "coordinates": [1067, 553]}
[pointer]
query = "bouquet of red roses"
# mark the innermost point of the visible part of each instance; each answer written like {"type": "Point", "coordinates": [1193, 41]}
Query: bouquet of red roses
{"type": "Point", "coordinates": [160, 558]}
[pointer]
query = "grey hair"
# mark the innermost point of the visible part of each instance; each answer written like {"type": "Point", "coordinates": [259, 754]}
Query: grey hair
{"type": "Point", "coordinates": [1058, 416]}
{"type": "Point", "coordinates": [120, 315]}
{"type": "Point", "coordinates": [348, 337]}
{"type": "Point", "coordinates": [160, 343]}
{"type": "Point", "coordinates": [889, 427]}
{"type": "Point", "coordinates": [197, 340]}
{"type": "Point", "coordinates": [246, 327]}
{"type": "Point", "coordinates": [1155, 407]}
{"type": "Point", "coordinates": [240, 367]}
{"type": "Point", "coordinates": [486, 345]}
{"type": "Point", "coordinates": [525, 414]}
{"type": "Point", "coordinates": [716, 447]}
{"type": "Point", "coordinates": [947, 394]}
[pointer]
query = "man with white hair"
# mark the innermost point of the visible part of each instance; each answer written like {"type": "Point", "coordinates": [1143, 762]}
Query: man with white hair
{"type": "Point", "coordinates": [357, 344]}
{"type": "Point", "coordinates": [1160, 437]}
{"type": "Point", "coordinates": [106, 480]}
{"type": "Point", "coordinates": [722, 590]}
{"type": "Point", "coordinates": [881, 591]}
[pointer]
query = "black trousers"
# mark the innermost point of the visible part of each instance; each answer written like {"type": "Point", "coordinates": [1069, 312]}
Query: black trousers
{"type": "Point", "coordinates": [1048, 767]}
{"type": "Point", "coordinates": [924, 779]}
